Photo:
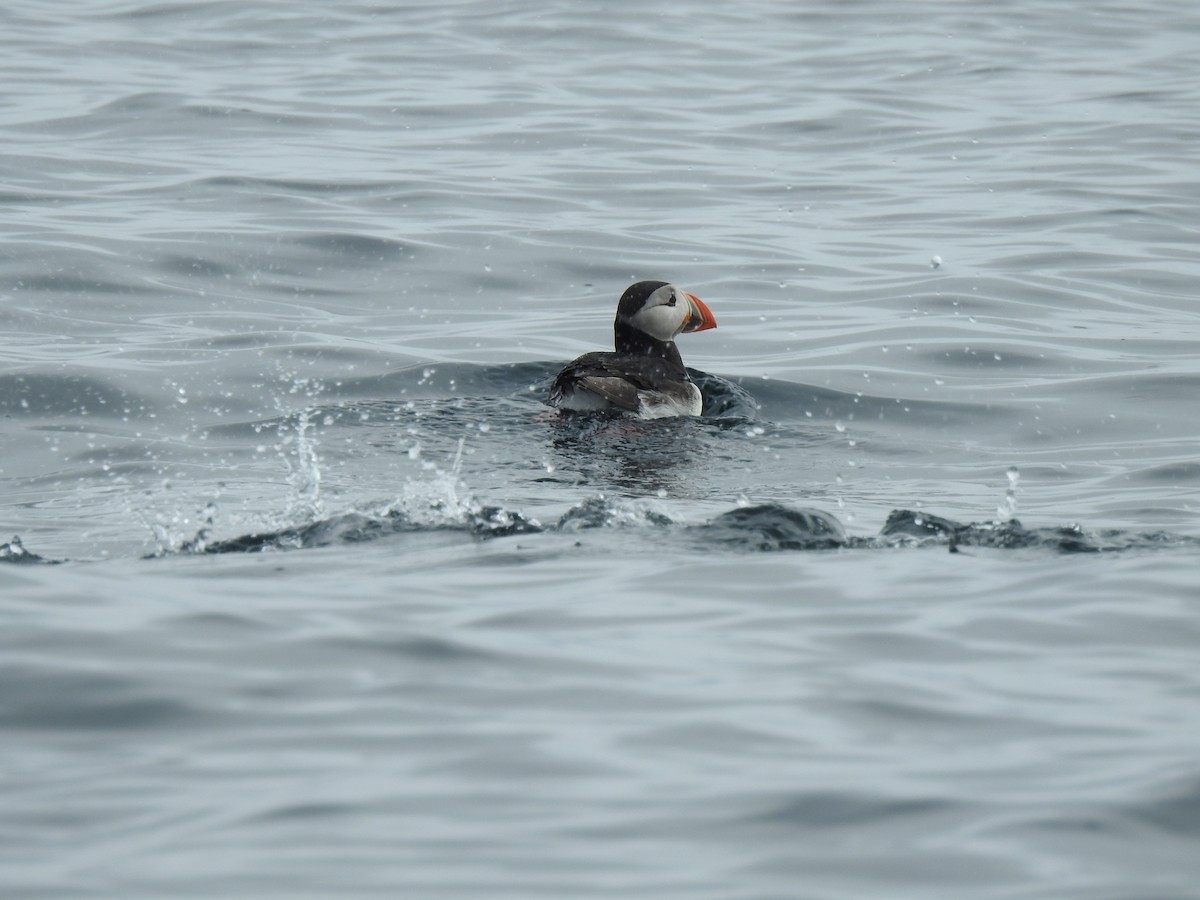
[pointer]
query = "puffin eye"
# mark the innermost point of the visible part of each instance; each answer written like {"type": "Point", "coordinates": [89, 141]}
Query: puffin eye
{"type": "Point", "coordinates": [671, 302]}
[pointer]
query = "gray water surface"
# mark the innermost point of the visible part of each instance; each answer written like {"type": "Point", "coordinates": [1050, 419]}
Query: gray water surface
{"type": "Point", "coordinates": [323, 603]}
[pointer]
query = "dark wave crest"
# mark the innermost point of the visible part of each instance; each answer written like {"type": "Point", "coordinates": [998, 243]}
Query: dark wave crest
{"type": "Point", "coordinates": [909, 526]}
{"type": "Point", "coordinates": [764, 528]}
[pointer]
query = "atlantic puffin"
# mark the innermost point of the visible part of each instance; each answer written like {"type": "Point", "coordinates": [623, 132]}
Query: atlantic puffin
{"type": "Point", "coordinates": [645, 375]}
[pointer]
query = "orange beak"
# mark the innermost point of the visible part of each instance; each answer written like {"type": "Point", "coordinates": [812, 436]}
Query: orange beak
{"type": "Point", "coordinates": [700, 317]}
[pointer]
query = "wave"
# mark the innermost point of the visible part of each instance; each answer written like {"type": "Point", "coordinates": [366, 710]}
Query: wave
{"type": "Point", "coordinates": [725, 397]}
{"type": "Point", "coordinates": [763, 528]}
{"type": "Point", "coordinates": [434, 406]}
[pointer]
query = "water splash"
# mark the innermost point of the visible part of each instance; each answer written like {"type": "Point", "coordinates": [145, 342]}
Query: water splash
{"type": "Point", "coordinates": [1007, 510]}
{"type": "Point", "coordinates": [177, 534]}
{"type": "Point", "coordinates": [298, 449]}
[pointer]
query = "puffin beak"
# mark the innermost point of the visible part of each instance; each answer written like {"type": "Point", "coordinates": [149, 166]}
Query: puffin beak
{"type": "Point", "coordinates": [699, 317]}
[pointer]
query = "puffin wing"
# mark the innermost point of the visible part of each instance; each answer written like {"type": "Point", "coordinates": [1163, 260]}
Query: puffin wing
{"type": "Point", "coordinates": [609, 392]}
{"type": "Point", "coordinates": [602, 381]}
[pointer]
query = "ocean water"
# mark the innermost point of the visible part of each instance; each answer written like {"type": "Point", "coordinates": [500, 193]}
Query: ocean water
{"type": "Point", "coordinates": [309, 594]}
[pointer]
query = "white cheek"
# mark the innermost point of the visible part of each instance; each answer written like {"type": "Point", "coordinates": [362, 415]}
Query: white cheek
{"type": "Point", "coordinates": [662, 322]}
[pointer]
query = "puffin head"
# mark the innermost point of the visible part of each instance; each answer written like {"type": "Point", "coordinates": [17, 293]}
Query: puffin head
{"type": "Point", "coordinates": [662, 310]}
